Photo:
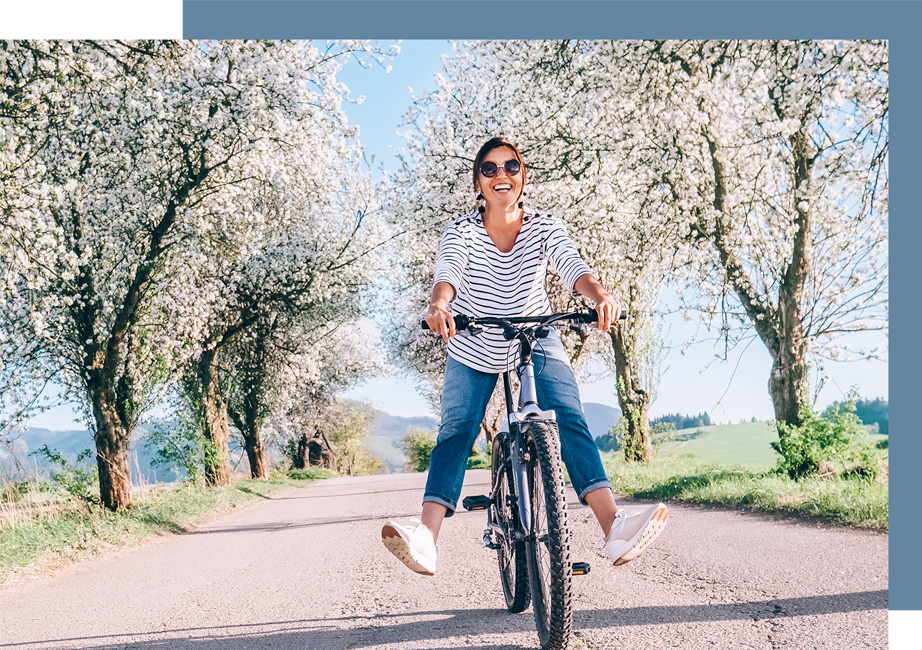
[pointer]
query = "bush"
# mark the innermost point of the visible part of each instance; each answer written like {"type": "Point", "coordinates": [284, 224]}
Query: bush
{"type": "Point", "coordinates": [661, 431]}
{"type": "Point", "coordinates": [833, 443]}
{"type": "Point", "coordinates": [418, 445]}
{"type": "Point", "coordinates": [872, 412]}
{"type": "Point", "coordinates": [180, 448]}
{"type": "Point", "coordinates": [81, 483]}
{"type": "Point", "coordinates": [310, 474]}
{"type": "Point", "coordinates": [14, 491]}
{"type": "Point", "coordinates": [479, 459]}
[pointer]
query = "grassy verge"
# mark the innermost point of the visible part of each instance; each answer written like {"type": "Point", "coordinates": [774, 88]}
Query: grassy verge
{"type": "Point", "coordinates": [75, 531]}
{"type": "Point", "coordinates": [856, 502]}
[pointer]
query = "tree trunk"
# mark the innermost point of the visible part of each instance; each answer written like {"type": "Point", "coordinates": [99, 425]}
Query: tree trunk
{"type": "Point", "coordinates": [781, 329]}
{"type": "Point", "coordinates": [214, 420]}
{"type": "Point", "coordinates": [320, 453]}
{"type": "Point", "coordinates": [249, 424]}
{"type": "Point", "coordinates": [633, 400]}
{"type": "Point", "coordinates": [256, 454]}
{"type": "Point", "coordinates": [300, 460]}
{"type": "Point", "coordinates": [490, 425]}
{"type": "Point", "coordinates": [112, 440]}
{"type": "Point", "coordinates": [788, 382]}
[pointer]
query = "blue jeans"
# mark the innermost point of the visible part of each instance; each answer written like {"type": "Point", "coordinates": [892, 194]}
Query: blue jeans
{"type": "Point", "coordinates": [465, 395]}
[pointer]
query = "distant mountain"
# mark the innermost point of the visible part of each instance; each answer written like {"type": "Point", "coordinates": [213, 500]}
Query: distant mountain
{"type": "Point", "coordinates": [384, 441]}
{"type": "Point", "coordinates": [70, 443]}
{"type": "Point", "coordinates": [386, 425]}
{"type": "Point", "coordinates": [386, 432]}
{"type": "Point", "coordinates": [600, 418]}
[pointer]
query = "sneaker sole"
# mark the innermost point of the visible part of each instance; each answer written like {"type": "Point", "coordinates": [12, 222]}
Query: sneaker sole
{"type": "Point", "coordinates": [653, 528]}
{"type": "Point", "coordinates": [401, 550]}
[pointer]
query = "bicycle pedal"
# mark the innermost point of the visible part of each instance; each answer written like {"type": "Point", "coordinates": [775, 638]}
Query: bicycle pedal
{"type": "Point", "coordinates": [476, 503]}
{"type": "Point", "coordinates": [580, 568]}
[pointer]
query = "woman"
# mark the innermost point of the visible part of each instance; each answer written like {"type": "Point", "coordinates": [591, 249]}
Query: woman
{"type": "Point", "coordinates": [493, 262]}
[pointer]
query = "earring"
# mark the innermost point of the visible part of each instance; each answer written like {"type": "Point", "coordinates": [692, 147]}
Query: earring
{"type": "Point", "coordinates": [480, 208]}
{"type": "Point", "coordinates": [522, 203]}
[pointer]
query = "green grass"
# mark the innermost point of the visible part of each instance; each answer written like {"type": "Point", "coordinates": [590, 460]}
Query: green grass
{"type": "Point", "coordinates": [75, 531]}
{"type": "Point", "coordinates": [748, 443]}
{"type": "Point", "coordinates": [856, 502]}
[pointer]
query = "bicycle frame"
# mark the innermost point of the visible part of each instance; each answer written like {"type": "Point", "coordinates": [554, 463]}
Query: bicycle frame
{"type": "Point", "coordinates": [527, 407]}
{"type": "Point", "coordinates": [529, 532]}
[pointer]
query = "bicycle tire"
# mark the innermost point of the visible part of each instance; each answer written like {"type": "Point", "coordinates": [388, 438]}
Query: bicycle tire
{"type": "Point", "coordinates": [513, 567]}
{"type": "Point", "coordinates": [550, 567]}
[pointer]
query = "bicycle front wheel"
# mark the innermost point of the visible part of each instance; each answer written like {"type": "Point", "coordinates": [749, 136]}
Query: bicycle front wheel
{"type": "Point", "coordinates": [548, 546]}
{"type": "Point", "coordinates": [513, 566]}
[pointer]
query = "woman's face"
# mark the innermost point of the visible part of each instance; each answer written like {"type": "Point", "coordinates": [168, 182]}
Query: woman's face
{"type": "Point", "coordinates": [504, 189]}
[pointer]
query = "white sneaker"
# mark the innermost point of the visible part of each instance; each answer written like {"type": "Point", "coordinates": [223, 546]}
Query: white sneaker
{"type": "Point", "coordinates": [412, 544]}
{"type": "Point", "coordinates": [630, 534]}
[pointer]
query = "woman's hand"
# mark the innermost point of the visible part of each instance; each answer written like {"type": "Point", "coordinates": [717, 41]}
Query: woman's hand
{"type": "Point", "coordinates": [608, 311]}
{"type": "Point", "coordinates": [438, 317]}
{"type": "Point", "coordinates": [605, 306]}
{"type": "Point", "coordinates": [441, 321]}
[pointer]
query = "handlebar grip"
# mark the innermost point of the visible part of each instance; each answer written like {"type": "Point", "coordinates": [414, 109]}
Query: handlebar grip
{"type": "Point", "coordinates": [461, 322]}
{"type": "Point", "coordinates": [592, 316]}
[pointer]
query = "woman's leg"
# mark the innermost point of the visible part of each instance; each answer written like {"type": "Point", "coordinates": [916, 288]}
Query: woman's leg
{"type": "Point", "coordinates": [626, 535]}
{"type": "Point", "coordinates": [465, 395]}
{"type": "Point", "coordinates": [558, 391]}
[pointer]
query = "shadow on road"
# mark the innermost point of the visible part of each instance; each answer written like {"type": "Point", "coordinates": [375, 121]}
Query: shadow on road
{"type": "Point", "coordinates": [326, 491]}
{"type": "Point", "coordinates": [291, 525]}
{"type": "Point", "coordinates": [374, 630]}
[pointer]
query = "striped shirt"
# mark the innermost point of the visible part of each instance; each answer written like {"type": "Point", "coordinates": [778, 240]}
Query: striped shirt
{"type": "Point", "coordinates": [490, 283]}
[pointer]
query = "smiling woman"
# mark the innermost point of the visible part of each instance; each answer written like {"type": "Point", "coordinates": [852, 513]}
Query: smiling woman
{"type": "Point", "coordinates": [493, 262]}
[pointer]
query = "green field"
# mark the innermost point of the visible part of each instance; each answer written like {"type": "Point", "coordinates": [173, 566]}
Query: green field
{"type": "Point", "coordinates": [734, 466]}
{"type": "Point", "coordinates": [748, 443]}
{"type": "Point", "coordinates": [730, 444]}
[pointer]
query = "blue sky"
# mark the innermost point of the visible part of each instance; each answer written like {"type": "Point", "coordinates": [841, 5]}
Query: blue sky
{"type": "Point", "coordinates": [728, 391]}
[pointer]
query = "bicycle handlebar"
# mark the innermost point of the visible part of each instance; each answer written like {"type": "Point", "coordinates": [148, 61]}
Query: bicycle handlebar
{"type": "Point", "coordinates": [462, 321]}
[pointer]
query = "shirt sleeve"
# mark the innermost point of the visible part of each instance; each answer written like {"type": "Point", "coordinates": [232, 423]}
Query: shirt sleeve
{"type": "Point", "coordinates": [563, 256]}
{"type": "Point", "coordinates": [452, 259]}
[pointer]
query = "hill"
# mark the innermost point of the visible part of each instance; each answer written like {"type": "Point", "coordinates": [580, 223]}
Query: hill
{"type": "Point", "coordinates": [386, 433]}
{"type": "Point", "coordinates": [748, 443]}
{"type": "Point", "coordinates": [384, 442]}
{"type": "Point", "coordinates": [70, 443]}
{"type": "Point", "coordinates": [387, 430]}
{"type": "Point", "coordinates": [600, 418]}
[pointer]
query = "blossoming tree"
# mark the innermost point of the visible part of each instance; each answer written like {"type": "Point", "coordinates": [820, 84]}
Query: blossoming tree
{"type": "Point", "coordinates": [123, 165]}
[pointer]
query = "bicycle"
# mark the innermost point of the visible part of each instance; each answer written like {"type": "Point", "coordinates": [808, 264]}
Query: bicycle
{"type": "Point", "coordinates": [527, 506]}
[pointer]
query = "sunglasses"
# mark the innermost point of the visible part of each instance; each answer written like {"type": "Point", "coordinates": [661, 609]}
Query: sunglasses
{"type": "Point", "coordinates": [489, 169]}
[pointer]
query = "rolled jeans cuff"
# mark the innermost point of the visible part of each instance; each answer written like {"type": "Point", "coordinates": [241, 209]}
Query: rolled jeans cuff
{"type": "Point", "coordinates": [434, 498]}
{"type": "Point", "coordinates": [595, 485]}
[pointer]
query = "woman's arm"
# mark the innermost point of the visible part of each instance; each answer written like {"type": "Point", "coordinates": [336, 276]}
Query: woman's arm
{"type": "Point", "coordinates": [605, 305]}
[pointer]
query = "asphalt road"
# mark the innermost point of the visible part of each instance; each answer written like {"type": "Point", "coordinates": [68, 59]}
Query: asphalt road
{"type": "Point", "coordinates": [306, 569]}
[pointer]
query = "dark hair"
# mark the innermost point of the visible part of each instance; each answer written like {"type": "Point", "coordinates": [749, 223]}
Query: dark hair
{"type": "Point", "coordinates": [490, 145]}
